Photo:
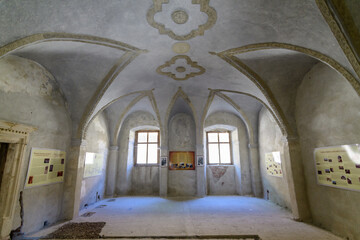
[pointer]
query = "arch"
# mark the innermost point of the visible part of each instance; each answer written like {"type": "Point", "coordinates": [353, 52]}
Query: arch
{"type": "Point", "coordinates": [54, 36]}
{"type": "Point", "coordinates": [103, 108]}
{"type": "Point", "coordinates": [148, 94]}
{"type": "Point", "coordinates": [265, 90]}
{"type": "Point", "coordinates": [130, 53]}
{"type": "Point", "coordinates": [235, 106]}
{"type": "Point", "coordinates": [121, 118]}
{"type": "Point", "coordinates": [180, 93]}
{"type": "Point", "coordinates": [246, 121]}
{"type": "Point", "coordinates": [315, 54]}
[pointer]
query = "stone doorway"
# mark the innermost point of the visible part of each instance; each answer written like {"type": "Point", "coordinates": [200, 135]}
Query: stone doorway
{"type": "Point", "coordinates": [3, 152]}
{"type": "Point", "coordinates": [13, 140]}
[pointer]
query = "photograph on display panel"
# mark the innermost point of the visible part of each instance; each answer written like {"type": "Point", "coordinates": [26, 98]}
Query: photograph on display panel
{"type": "Point", "coordinates": [182, 160]}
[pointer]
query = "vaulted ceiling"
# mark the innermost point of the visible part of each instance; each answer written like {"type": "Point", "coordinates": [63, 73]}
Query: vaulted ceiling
{"type": "Point", "coordinates": [113, 55]}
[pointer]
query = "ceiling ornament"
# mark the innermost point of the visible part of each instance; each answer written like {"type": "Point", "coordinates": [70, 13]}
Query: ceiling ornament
{"type": "Point", "coordinates": [180, 47]}
{"type": "Point", "coordinates": [180, 68]}
{"type": "Point", "coordinates": [179, 17]}
{"type": "Point", "coordinates": [188, 23]}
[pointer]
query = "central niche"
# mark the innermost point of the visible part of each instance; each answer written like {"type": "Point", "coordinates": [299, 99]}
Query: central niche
{"type": "Point", "coordinates": [182, 145]}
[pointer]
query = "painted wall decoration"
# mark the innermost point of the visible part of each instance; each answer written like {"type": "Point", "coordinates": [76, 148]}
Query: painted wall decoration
{"type": "Point", "coordinates": [93, 164]}
{"type": "Point", "coordinates": [46, 166]}
{"type": "Point", "coordinates": [182, 161]}
{"type": "Point", "coordinates": [338, 166]}
{"type": "Point", "coordinates": [273, 164]}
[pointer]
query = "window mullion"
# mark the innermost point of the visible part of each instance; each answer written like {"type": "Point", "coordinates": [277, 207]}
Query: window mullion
{"type": "Point", "coordinates": [218, 143]}
{"type": "Point", "coordinates": [147, 146]}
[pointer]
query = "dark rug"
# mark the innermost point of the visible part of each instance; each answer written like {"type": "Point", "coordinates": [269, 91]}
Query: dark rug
{"type": "Point", "coordinates": [84, 230]}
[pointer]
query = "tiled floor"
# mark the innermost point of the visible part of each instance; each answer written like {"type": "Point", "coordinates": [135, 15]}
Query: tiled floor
{"type": "Point", "coordinates": [213, 215]}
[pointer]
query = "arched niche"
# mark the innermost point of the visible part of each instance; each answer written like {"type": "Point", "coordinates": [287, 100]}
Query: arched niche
{"type": "Point", "coordinates": [235, 178]}
{"type": "Point", "coordinates": [181, 138]}
{"type": "Point", "coordinates": [132, 179]}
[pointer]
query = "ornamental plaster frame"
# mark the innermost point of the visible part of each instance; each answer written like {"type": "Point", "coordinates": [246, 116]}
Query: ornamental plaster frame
{"type": "Point", "coordinates": [204, 7]}
{"type": "Point", "coordinates": [188, 61]}
{"type": "Point", "coordinates": [17, 136]}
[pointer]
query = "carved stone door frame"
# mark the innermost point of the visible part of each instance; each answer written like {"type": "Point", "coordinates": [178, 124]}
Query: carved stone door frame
{"type": "Point", "coordinates": [17, 136]}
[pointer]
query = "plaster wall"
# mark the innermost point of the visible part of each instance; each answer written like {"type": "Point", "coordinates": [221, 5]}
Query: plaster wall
{"type": "Point", "coordinates": [30, 95]}
{"type": "Point", "coordinates": [327, 114]}
{"type": "Point", "coordinates": [97, 141]}
{"type": "Point", "coordinates": [270, 140]}
{"type": "Point", "coordinates": [182, 137]}
{"type": "Point", "coordinates": [132, 179]}
{"type": "Point", "coordinates": [234, 179]}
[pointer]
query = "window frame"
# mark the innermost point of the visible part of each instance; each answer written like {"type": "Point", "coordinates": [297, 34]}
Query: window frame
{"type": "Point", "coordinates": [218, 143]}
{"type": "Point", "coordinates": [147, 143]}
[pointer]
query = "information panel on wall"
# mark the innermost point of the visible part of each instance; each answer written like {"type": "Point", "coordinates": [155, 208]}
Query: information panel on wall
{"type": "Point", "coordinates": [338, 166]}
{"type": "Point", "coordinates": [273, 164]}
{"type": "Point", "coordinates": [182, 160]}
{"type": "Point", "coordinates": [93, 164]}
{"type": "Point", "coordinates": [46, 166]}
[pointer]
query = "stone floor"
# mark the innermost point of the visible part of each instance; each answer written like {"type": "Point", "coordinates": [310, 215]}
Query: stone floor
{"type": "Point", "coordinates": [213, 215]}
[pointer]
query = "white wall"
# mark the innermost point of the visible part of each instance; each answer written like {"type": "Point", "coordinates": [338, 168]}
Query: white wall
{"type": "Point", "coordinates": [328, 114]}
{"type": "Point", "coordinates": [30, 95]}
{"type": "Point", "coordinates": [237, 178]}
{"type": "Point", "coordinates": [182, 137]}
{"type": "Point", "coordinates": [131, 179]}
{"type": "Point", "coordinates": [270, 140]}
{"type": "Point", "coordinates": [97, 141]}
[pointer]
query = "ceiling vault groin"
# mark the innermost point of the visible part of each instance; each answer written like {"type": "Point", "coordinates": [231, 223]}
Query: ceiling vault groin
{"type": "Point", "coordinates": [260, 83]}
{"type": "Point", "coordinates": [218, 92]}
{"type": "Point", "coordinates": [130, 53]}
{"type": "Point", "coordinates": [230, 57]}
{"type": "Point", "coordinates": [312, 53]}
{"type": "Point", "coordinates": [125, 60]}
{"type": "Point", "coordinates": [150, 95]}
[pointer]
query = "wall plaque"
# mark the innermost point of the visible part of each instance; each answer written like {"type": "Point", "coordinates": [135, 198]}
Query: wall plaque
{"type": "Point", "coordinates": [338, 166]}
{"type": "Point", "coordinates": [46, 166]}
{"type": "Point", "coordinates": [273, 164]}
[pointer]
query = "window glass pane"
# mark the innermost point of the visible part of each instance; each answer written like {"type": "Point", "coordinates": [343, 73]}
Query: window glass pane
{"type": "Point", "coordinates": [152, 153]}
{"type": "Point", "coordinates": [89, 158]}
{"type": "Point", "coordinates": [213, 153]}
{"type": "Point", "coordinates": [153, 136]}
{"type": "Point", "coordinates": [212, 137]}
{"type": "Point", "coordinates": [225, 153]}
{"type": "Point", "coordinates": [141, 154]}
{"type": "Point", "coordinates": [142, 137]}
{"type": "Point", "coordinates": [224, 137]}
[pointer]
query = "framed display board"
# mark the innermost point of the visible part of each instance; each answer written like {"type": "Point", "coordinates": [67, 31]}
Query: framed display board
{"type": "Point", "coordinates": [93, 164]}
{"type": "Point", "coordinates": [182, 160]}
{"type": "Point", "coordinates": [338, 166]}
{"type": "Point", "coordinates": [46, 166]}
{"type": "Point", "coordinates": [273, 164]}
